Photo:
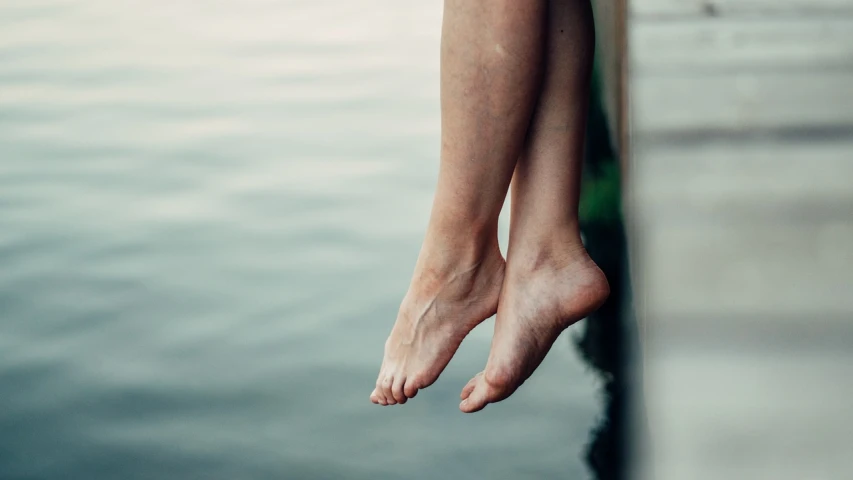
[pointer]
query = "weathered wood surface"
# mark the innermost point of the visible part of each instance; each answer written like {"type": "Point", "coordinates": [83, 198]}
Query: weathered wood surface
{"type": "Point", "coordinates": [645, 9]}
{"type": "Point", "coordinates": [733, 45]}
{"type": "Point", "coordinates": [734, 102]}
{"type": "Point", "coordinates": [731, 413]}
{"type": "Point", "coordinates": [746, 183]}
{"type": "Point", "coordinates": [740, 207]}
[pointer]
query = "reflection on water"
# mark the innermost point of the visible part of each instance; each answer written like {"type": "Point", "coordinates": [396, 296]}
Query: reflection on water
{"type": "Point", "coordinates": [208, 212]}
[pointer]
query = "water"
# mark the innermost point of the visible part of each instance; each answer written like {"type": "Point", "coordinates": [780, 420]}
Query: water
{"type": "Point", "coordinates": [209, 211]}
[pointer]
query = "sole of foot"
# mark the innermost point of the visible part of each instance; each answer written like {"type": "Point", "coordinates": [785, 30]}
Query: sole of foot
{"type": "Point", "coordinates": [537, 305]}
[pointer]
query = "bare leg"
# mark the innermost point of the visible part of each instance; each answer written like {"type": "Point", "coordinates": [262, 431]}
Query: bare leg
{"type": "Point", "coordinates": [491, 54]}
{"type": "Point", "coordinates": [550, 280]}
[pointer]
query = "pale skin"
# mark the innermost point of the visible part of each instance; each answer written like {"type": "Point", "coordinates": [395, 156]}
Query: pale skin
{"type": "Point", "coordinates": [514, 86]}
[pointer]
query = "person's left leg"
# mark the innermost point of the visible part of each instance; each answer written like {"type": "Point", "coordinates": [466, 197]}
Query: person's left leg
{"type": "Point", "coordinates": [491, 57]}
{"type": "Point", "coordinates": [550, 281]}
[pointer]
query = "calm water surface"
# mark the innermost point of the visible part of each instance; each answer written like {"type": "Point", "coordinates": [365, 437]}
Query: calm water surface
{"type": "Point", "coordinates": [208, 213]}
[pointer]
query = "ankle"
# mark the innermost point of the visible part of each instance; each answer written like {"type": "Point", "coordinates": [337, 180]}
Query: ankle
{"type": "Point", "coordinates": [557, 249]}
{"type": "Point", "coordinates": [461, 240]}
{"type": "Point", "coordinates": [447, 253]}
{"type": "Point", "coordinates": [462, 226]}
{"type": "Point", "coordinates": [457, 266]}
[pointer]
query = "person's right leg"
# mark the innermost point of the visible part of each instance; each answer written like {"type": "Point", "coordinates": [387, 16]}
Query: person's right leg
{"type": "Point", "coordinates": [550, 280]}
{"type": "Point", "coordinates": [491, 55]}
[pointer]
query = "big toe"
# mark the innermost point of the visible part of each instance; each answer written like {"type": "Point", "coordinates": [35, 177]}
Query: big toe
{"type": "Point", "coordinates": [477, 399]}
{"type": "Point", "coordinates": [469, 387]}
{"type": "Point", "coordinates": [489, 387]}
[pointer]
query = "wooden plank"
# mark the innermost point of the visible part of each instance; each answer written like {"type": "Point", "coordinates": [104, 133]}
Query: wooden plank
{"type": "Point", "coordinates": [752, 412]}
{"type": "Point", "coordinates": [734, 102]}
{"type": "Point", "coordinates": [702, 270]}
{"type": "Point", "coordinates": [755, 181]}
{"type": "Point", "coordinates": [703, 44]}
{"type": "Point", "coordinates": [640, 9]}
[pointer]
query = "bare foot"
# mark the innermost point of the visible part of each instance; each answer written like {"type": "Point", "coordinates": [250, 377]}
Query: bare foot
{"type": "Point", "coordinates": [540, 298]}
{"type": "Point", "coordinates": [453, 290]}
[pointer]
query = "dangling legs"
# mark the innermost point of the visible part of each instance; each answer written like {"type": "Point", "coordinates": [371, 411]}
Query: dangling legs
{"type": "Point", "coordinates": [550, 280]}
{"type": "Point", "coordinates": [491, 56]}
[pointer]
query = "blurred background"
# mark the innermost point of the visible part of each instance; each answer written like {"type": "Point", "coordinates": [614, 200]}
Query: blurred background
{"type": "Point", "coordinates": [209, 211]}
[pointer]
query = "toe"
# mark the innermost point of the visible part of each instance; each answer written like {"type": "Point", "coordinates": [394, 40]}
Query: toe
{"type": "Point", "coordinates": [470, 386]}
{"type": "Point", "coordinates": [410, 389]}
{"type": "Point", "coordinates": [380, 399]}
{"type": "Point", "coordinates": [380, 392]}
{"type": "Point", "coordinates": [494, 385]}
{"type": "Point", "coordinates": [477, 398]}
{"type": "Point", "coordinates": [397, 389]}
{"type": "Point", "coordinates": [501, 380]}
{"type": "Point", "coordinates": [377, 391]}
{"type": "Point", "coordinates": [386, 384]}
